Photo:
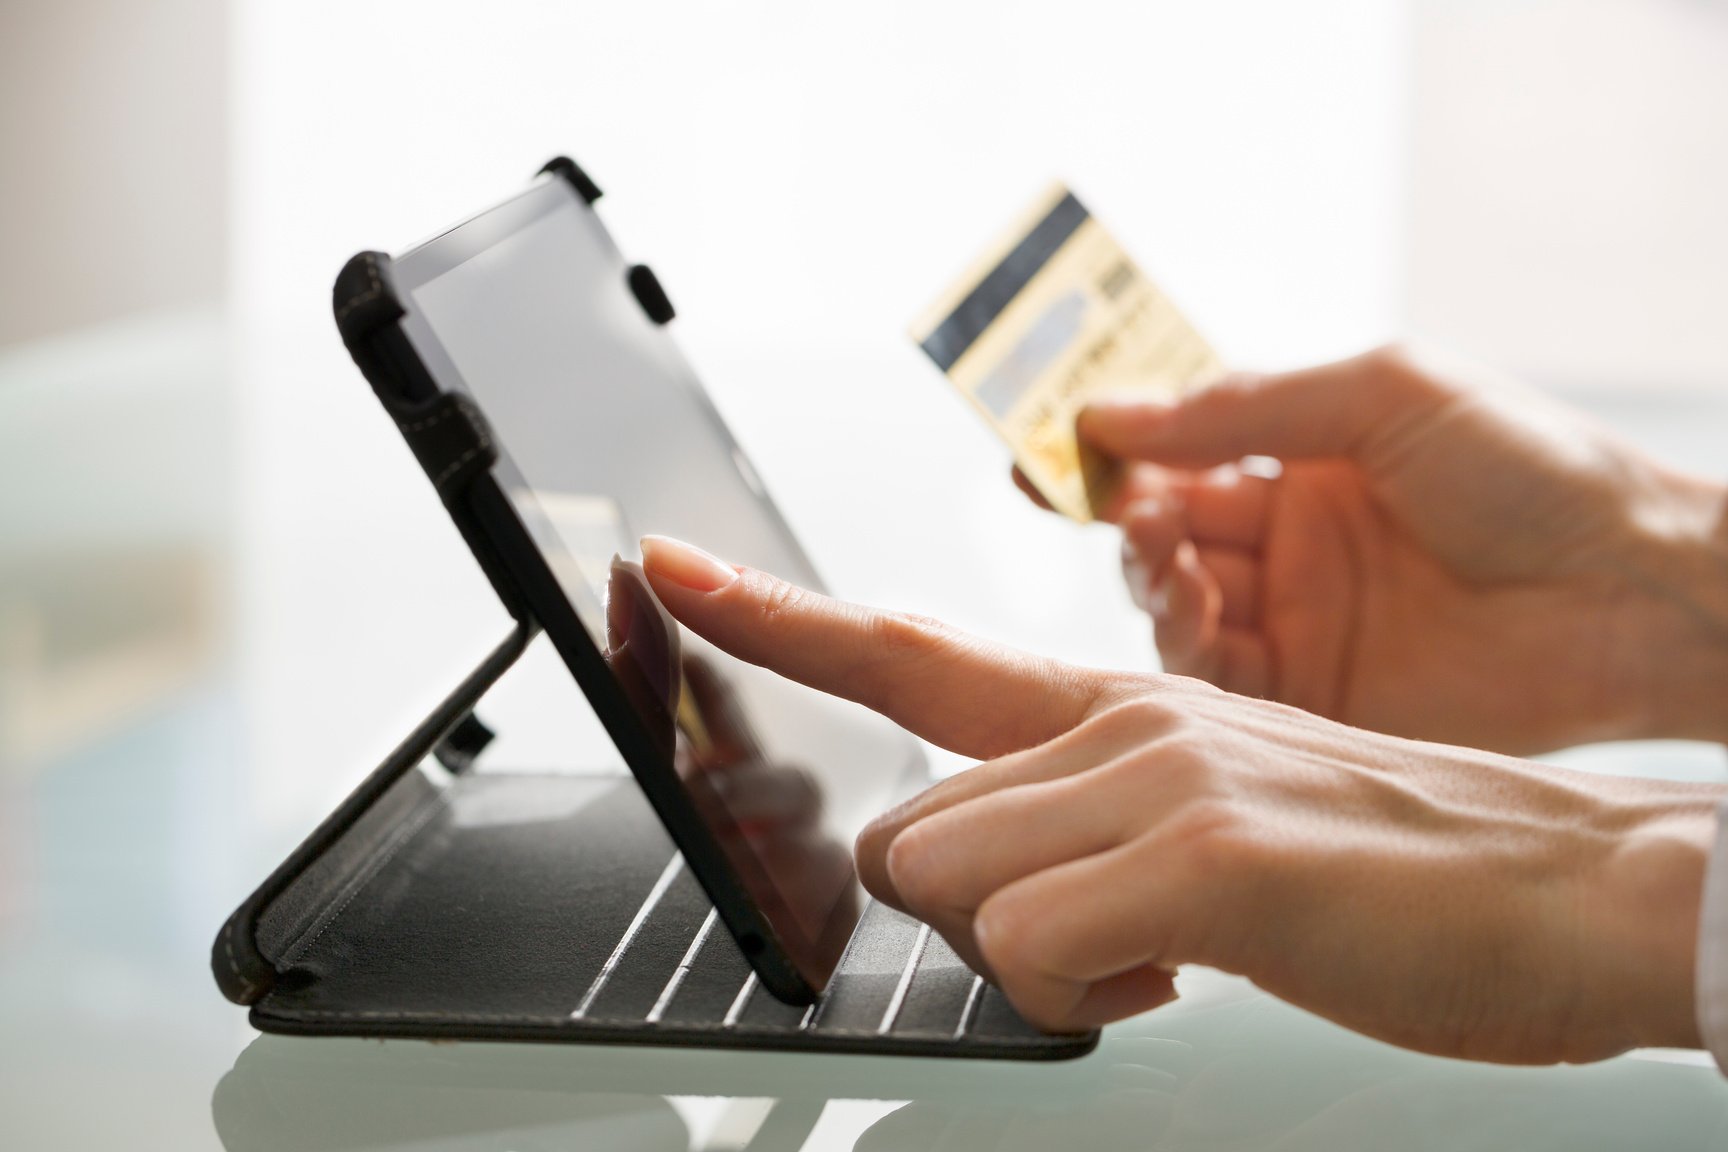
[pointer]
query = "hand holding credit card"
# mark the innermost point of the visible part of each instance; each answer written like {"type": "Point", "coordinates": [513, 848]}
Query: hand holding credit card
{"type": "Point", "coordinates": [1053, 315]}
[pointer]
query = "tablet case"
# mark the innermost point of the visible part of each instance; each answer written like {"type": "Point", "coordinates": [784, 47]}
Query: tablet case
{"type": "Point", "coordinates": [440, 901]}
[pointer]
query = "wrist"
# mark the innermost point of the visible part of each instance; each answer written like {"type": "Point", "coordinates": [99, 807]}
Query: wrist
{"type": "Point", "coordinates": [1677, 563]}
{"type": "Point", "coordinates": [1649, 900]}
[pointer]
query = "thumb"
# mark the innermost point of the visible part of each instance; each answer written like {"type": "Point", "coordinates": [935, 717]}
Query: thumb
{"type": "Point", "coordinates": [963, 693]}
{"type": "Point", "coordinates": [1339, 410]}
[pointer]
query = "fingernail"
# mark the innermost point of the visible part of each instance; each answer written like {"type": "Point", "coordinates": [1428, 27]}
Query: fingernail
{"type": "Point", "coordinates": [686, 564]}
{"type": "Point", "coordinates": [1146, 415]}
{"type": "Point", "coordinates": [1145, 508]}
{"type": "Point", "coordinates": [1134, 573]}
{"type": "Point", "coordinates": [980, 934]}
{"type": "Point", "coordinates": [1137, 403]}
{"type": "Point", "coordinates": [1158, 599]}
{"type": "Point", "coordinates": [1131, 398]}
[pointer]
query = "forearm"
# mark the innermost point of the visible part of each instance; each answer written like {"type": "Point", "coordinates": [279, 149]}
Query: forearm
{"type": "Point", "coordinates": [1678, 561]}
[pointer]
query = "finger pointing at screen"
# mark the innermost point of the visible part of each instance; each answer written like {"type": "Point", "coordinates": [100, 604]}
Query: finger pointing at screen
{"type": "Point", "coordinates": [963, 693]}
{"type": "Point", "coordinates": [1122, 825]}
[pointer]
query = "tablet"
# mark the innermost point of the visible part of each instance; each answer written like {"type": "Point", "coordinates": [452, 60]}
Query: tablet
{"type": "Point", "coordinates": [603, 433]}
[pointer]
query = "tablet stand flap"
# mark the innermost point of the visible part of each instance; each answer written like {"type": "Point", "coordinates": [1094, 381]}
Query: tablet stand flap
{"type": "Point", "coordinates": [245, 953]}
{"type": "Point", "coordinates": [553, 906]}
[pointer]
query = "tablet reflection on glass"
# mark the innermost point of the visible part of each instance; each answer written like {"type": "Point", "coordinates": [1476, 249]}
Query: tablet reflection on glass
{"type": "Point", "coordinates": [766, 816]}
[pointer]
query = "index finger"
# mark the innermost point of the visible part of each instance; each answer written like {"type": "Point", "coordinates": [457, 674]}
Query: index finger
{"type": "Point", "coordinates": [955, 690]}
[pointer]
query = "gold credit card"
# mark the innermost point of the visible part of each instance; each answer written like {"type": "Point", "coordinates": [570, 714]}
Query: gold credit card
{"type": "Point", "coordinates": [1055, 314]}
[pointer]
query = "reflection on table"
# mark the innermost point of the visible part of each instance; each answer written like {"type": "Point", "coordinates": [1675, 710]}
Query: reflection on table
{"type": "Point", "coordinates": [1224, 1068]}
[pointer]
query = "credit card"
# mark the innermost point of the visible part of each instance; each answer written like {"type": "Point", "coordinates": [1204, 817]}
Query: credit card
{"type": "Point", "coordinates": [1052, 315]}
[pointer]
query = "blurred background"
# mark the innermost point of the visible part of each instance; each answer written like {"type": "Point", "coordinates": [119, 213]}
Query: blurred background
{"type": "Point", "coordinates": [217, 559]}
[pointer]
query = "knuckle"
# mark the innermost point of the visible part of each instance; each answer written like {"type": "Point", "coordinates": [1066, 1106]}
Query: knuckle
{"type": "Point", "coordinates": [1169, 766]}
{"type": "Point", "coordinates": [1222, 396]}
{"type": "Point", "coordinates": [1143, 716]}
{"type": "Point", "coordinates": [900, 634]}
{"type": "Point", "coordinates": [1132, 786]}
{"type": "Point", "coordinates": [1087, 687]}
{"type": "Point", "coordinates": [1171, 688]}
{"type": "Point", "coordinates": [1187, 687]}
{"type": "Point", "coordinates": [1230, 387]}
{"type": "Point", "coordinates": [1394, 356]}
{"type": "Point", "coordinates": [1183, 748]}
{"type": "Point", "coordinates": [1106, 691]}
{"type": "Point", "coordinates": [781, 600]}
{"type": "Point", "coordinates": [1400, 367]}
{"type": "Point", "coordinates": [1211, 837]}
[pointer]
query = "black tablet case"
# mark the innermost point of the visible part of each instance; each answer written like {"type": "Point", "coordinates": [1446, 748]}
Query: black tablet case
{"type": "Point", "coordinates": [451, 903]}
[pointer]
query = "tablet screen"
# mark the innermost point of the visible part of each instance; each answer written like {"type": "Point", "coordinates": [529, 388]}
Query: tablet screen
{"type": "Point", "coordinates": [605, 434]}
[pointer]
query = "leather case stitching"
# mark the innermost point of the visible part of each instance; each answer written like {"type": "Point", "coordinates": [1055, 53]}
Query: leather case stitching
{"type": "Point", "coordinates": [247, 984]}
{"type": "Point", "coordinates": [370, 294]}
{"type": "Point", "coordinates": [368, 873]}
